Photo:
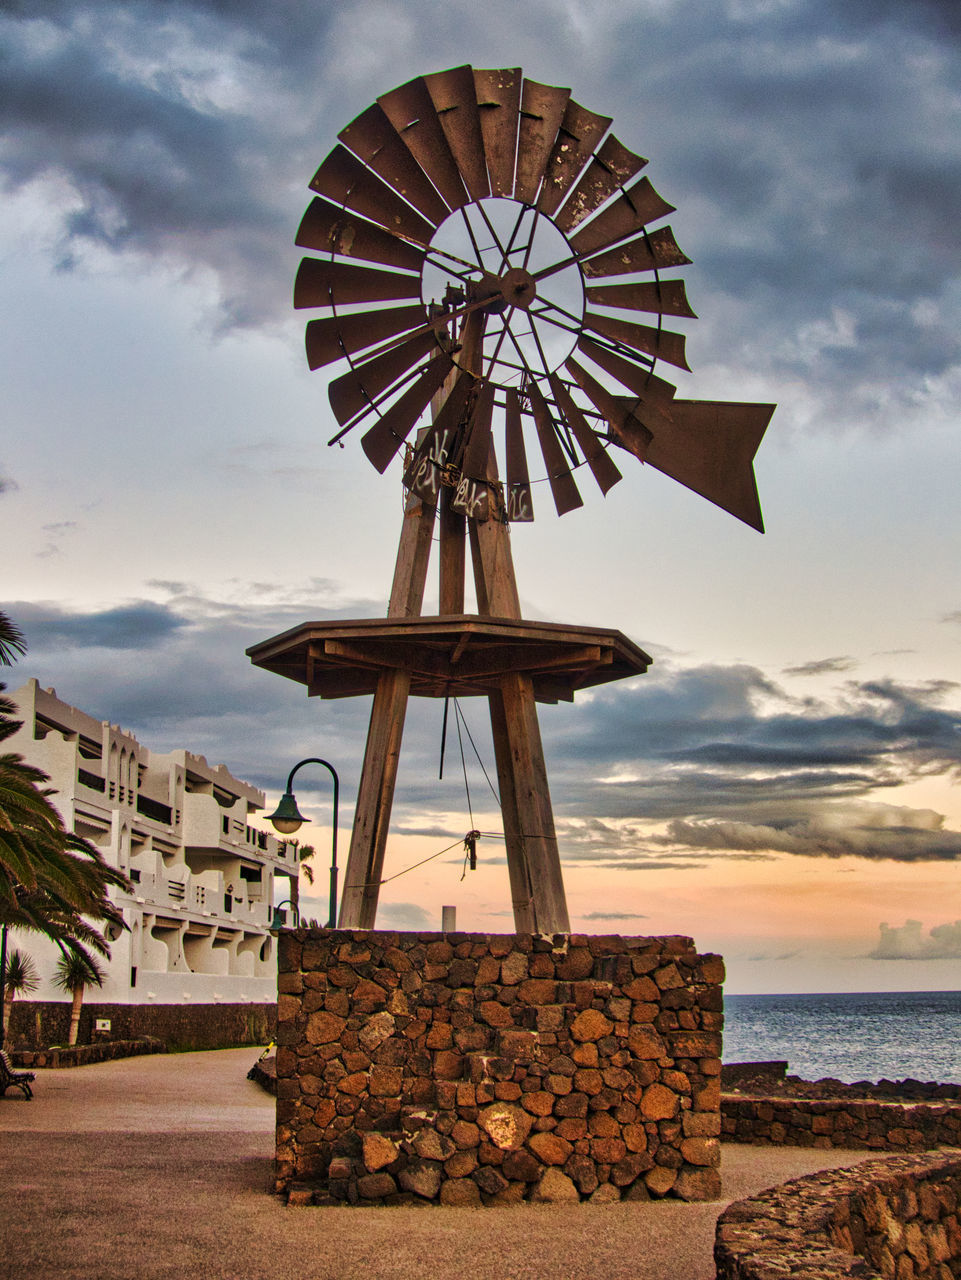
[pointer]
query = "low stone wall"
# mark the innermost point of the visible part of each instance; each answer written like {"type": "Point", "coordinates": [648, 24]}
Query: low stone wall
{"type": "Point", "coordinates": [476, 1069]}
{"type": "Point", "coordinates": [81, 1055]}
{"type": "Point", "coordinates": [852, 1122]}
{"type": "Point", "coordinates": [893, 1218]}
{"type": "Point", "coordinates": [34, 1024]}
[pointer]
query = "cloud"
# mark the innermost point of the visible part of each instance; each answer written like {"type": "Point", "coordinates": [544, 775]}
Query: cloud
{"type": "Point", "coordinates": [863, 831]}
{"type": "Point", "coordinates": [662, 773]}
{"type": "Point", "coordinates": [822, 667]}
{"type": "Point", "coordinates": [140, 625]}
{"type": "Point", "coordinates": [904, 942]}
{"type": "Point", "coordinates": [614, 915]}
{"type": "Point", "coordinates": [405, 915]}
{"type": "Point", "coordinates": [810, 149]}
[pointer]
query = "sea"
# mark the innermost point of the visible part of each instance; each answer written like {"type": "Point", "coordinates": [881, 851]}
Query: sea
{"type": "Point", "coordinates": [892, 1035]}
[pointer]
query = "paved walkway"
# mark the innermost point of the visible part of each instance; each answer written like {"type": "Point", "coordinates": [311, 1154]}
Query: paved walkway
{"type": "Point", "coordinates": [159, 1167]}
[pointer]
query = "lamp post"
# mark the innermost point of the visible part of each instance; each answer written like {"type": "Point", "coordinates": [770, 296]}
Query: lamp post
{"type": "Point", "coordinates": [278, 920]}
{"type": "Point", "coordinates": [287, 819]}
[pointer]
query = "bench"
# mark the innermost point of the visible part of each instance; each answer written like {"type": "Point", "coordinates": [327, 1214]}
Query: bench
{"type": "Point", "coordinates": [9, 1076]}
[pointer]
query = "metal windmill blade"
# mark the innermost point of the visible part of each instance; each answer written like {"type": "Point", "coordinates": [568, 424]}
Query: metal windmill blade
{"type": "Point", "coordinates": [477, 220]}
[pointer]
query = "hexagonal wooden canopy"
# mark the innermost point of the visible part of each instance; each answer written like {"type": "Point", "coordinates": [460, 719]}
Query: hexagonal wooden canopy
{"type": "Point", "coordinates": [460, 655]}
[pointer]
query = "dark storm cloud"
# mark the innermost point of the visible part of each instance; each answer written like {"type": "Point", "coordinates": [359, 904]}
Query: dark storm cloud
{"type": "Point", "coordinates": [731, 762]}
{"type": "Point", "coordinates": [661, 773]}
{"type": "Point", "coordinates": [811, 150]}
{"type": "Point", "coordinates": [48, 628]}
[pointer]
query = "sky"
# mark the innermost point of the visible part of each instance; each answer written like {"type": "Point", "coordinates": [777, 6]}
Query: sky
{"type": "Point", "coordinates": [783, 785]}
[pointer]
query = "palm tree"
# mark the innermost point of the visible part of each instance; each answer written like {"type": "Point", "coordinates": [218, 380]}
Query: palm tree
{"type": "Point", "coordinates": [21, 977]}
{"type": "Point", "coordinates": [304, 853]}
{"type": "Point", "coordinates": [12, 643]}
{"type": "Point", "coordinates": [75, 972]}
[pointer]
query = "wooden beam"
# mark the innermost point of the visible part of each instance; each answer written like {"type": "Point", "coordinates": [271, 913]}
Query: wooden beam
{"type": "Point", "coordinates": [533, 860]}
{"type": "Point", "coordinates": [375, 794]}
{"type": "Point", "coordinates": [375, 798]}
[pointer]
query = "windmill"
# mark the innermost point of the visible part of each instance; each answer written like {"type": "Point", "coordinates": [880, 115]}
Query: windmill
{"type": "Point", "coordinates": [482, 252]}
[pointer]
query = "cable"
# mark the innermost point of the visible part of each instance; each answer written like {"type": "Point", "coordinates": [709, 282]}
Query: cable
{"type": "Point", "coordinates": [369, 884]}
{"type": "Point", "coordinates": [460, 742]}
{"type": "Point", "coordinates": [459, 712]}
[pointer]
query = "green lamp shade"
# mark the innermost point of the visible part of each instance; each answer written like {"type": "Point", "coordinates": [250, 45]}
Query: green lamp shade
{"type": "Point", "coordinates": [287, 819]}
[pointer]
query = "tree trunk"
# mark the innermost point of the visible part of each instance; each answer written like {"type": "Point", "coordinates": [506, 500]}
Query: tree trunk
{"type": "Point", "coordinates": [75, 1015]}
{"type": "Point", "coordinates": [7, 1006]}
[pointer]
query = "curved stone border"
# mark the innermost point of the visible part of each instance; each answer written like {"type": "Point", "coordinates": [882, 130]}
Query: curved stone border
{"type": "Point", "coordinates": [896, 1217]}
{"type": "Point", "coordinates": [80, 1055]}
{"type": "Point", "coordinates": [858, 1124]}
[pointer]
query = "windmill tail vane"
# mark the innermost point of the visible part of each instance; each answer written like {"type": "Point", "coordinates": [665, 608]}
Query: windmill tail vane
{"type": "Point", "coordinates": [484, 233]}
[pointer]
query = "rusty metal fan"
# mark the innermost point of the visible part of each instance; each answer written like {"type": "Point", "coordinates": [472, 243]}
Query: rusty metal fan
{"type": "Point", "coordinates": [483, 237]}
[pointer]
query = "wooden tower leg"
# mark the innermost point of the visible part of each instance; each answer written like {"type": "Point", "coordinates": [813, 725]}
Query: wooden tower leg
{"type": "Point", "coordinates": [533, 860]}
{"type": "Point", "coordinates": [375, 795]}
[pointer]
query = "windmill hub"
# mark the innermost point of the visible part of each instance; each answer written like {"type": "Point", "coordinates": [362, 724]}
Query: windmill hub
{"type": "Point", "coordinates": [518, 287]}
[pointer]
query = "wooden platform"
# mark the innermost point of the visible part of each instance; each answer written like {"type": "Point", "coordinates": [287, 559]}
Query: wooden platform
{"type": "Point", "coordinates": [457, 655]}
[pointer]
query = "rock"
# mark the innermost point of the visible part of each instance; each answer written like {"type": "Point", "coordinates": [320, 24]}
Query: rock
{"type": "Point", "coordinates": [658, 1103]}
{"type": "Point", "coordinates": [376, 1030]}
{"type": "Point", "coordinates": [460, 1192]}
{"type": "Point", "coordinates": [549, 1148]}
{"type": "Point", "coordinates": [324, 1028]}
{"type": "Point", "coordinates": [555, 1187]}
{"type": "Point", "coordinates": [430, 1145]}
{"type": "Point", "coordinates": [535, 991]}
{"type": "Point", "coordinates": [448, 1065]}
{"type": "Point", "coordinates": [669, 978]}
{"type": "Point", "coordinates": [606, 1193]}
{"type": "Point", "coordinates": [491, 1181]}
{"type": "Point", "coordinates": [376, 1186]}
{"type": "Point", "coordinates": [421, 1178]}
{"type": "Point", "coordinates": [378, 1152]}
{"type": "Point", "coordinates": [513, 969]}
{"type": "Point", "coordinates": [701, 1151]}
{"type": "Point", "coordinates": [460, 1164]}
{"type": "Point", "coordinates": [698, 1184]}
{"type": "Point", "coordinates": [299, 1195]}
{"type": "Point", "coordinates": [495, 1014]}
{"type": "Point", "coordinates": [635, 1137]}
{"type": "Point", "coordinates": [592, 1025]}
{"type": "Point", "coordinates": [582, 1170]}
{"type": "Point", "coordinates": [506, 1125]}
{"type": "Point", "coordinates": [386, 1082]}
{"type": "Point", "coordinates": [701, 1124]}
{"type": "Point", "coordinates": [644, 1042]}
{"type": "Point", "coordinates": [659, 1180]}
{"type": "Point", "coordinates": [520, 1166]}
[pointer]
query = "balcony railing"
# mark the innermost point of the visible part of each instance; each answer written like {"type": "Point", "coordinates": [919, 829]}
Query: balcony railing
{"type": "Point", "coordinates": [154, 809]}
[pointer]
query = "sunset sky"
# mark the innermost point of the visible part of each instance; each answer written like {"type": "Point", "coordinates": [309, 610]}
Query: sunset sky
{"type": "Point", "coordinates": [784, 784]}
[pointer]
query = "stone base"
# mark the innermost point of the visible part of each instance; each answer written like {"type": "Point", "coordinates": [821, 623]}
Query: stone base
{"type": "Point", "coordinates": [470, 1069]}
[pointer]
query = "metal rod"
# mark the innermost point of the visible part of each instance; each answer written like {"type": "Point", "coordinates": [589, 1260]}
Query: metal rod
{"type": "Point", "coordinates": [332, 905]}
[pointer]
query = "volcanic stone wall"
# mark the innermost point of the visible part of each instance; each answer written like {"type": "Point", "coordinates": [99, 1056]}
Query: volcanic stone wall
{"type": "Point", "coordinates": [475, 1069]}
{"type": "Point", "coordinates": [857, 1123]}
{"type": "Point", "coordinates": [899, 1218]}
{"type": "Point", "coordinates": [36, 1024]}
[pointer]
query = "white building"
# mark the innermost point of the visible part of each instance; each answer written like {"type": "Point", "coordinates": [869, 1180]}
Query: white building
{"type": "Point", "coordinates": [202, 877]}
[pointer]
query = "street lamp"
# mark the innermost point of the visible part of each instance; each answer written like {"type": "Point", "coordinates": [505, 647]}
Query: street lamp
{"type": "Point", "coordinates": [279, 919]}
{"type": "Point", "coordinates": [287, 819]}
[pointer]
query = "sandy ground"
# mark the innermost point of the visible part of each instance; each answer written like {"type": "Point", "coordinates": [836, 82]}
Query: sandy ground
{"type": "Point", "coordinates": [159, 1167]}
